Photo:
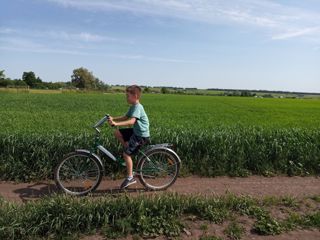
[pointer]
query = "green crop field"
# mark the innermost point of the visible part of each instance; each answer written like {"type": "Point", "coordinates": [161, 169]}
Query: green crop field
{"type": "Point", "coordinates": [214, 135]}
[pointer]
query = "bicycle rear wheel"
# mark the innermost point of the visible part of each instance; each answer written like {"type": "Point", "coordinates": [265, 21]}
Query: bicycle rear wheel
{"type": "Point", "coordinates": [78, 174]}
{"type": "Point", "coordinates": [158, 169]}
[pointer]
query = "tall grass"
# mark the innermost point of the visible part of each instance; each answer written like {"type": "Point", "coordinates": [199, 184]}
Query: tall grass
{"type": "Point", "coordinates": [57, 217]}
{"type": "Point", "coordinates": [228, 151]}
{"type": "Point", "coordinates": [214, 135]}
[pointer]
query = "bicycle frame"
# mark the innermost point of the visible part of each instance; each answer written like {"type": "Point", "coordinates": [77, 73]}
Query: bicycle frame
{"type": "Point", "coordinates": [97, 145]}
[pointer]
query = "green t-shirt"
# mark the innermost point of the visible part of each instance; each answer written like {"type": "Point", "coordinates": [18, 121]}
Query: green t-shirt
{"type": "Point", "coordinates": [141, 126]}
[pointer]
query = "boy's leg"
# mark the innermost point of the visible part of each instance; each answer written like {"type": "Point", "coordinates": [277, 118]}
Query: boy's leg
{"type": "Point", "coordinates": [119, 136]}
{"type": "Point", "coordinates": [129, 179]}
{"type": "Point", "coordinates": [132, 148]}
{"type": "Point", "coordinates": [123, 135]}
{"type": "Point", "coordinates": [129, 164]}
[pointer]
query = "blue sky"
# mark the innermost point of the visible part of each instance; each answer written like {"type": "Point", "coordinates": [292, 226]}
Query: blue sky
{"type": "Point", "coordinates": [244, 44]}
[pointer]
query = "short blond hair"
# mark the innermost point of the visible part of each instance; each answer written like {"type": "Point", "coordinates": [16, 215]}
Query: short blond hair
{"type": "Point", "coordinates": [134, 89]}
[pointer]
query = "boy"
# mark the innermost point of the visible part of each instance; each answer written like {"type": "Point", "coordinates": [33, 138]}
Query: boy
{"type": "Point", "coordinates": [132, 138]}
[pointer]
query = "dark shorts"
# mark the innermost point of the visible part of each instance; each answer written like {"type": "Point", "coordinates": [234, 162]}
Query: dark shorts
{"type": "Point", "coordinates": [134, 141]}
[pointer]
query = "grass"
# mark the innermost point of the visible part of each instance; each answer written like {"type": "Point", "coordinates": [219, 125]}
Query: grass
{"type": "Point", "coordinates": [214, 135]}
{"type": "Point", "coordinates": [60, 217]}
{"type": "Point", "coordinates": [234, 231]}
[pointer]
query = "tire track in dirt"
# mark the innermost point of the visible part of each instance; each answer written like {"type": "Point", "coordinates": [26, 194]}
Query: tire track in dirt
{"type": "Point", "coordinates": [256, 186]}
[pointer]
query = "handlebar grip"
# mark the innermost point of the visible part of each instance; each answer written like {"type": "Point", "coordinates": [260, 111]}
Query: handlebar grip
{"type": "Point", "coordinates": [101, 121]}
{"type": "Point", "coordinates": [108, 117]}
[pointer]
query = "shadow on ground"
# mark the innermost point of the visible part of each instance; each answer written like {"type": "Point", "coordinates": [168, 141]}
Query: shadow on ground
{"type": "Point", "coordinates": [42, 189]}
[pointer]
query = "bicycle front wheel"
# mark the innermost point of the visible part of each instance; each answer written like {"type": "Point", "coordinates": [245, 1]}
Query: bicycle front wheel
{"type": "Point", "coordinates": [158, 169]}
{"type": "Point", "coordinates": [78, 174]}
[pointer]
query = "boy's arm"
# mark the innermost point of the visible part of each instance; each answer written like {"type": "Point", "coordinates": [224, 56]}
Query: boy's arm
{"type": "Point", "coordinates": [122, 118]}
{"type": "Point", "coordinates": [129, 121]}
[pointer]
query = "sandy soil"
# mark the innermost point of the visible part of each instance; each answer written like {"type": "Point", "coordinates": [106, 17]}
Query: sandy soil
{"type": "Point", "coordinates": [256, 186]}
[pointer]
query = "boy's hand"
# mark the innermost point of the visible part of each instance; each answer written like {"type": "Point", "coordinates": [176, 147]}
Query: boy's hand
{"type": "Point", "coordinates": [111, 122]}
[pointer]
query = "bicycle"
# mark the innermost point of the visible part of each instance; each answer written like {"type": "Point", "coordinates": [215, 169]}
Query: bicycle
{"type": "Point", "coordinates": [80, 172]}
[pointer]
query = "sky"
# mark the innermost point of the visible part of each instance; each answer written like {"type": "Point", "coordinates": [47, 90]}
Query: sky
{"type": "Point", "coordinates": [237, 44]}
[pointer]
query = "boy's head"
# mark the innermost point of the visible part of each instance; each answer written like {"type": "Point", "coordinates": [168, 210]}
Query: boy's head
{"type": "Point", "coordinates": [133, 94]}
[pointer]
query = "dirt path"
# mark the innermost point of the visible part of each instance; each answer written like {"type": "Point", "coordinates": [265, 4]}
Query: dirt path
{"type": "Point", "coordinates": [256, 186]}
{"type": "Point", "coordinates": [294, 235]}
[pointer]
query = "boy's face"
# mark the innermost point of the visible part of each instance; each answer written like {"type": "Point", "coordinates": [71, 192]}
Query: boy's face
{"type": "Point", "coordinates": [131, 98]}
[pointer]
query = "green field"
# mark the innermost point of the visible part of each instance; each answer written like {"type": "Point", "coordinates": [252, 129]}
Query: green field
{"type": "Point", "coordinates": [214, 135]}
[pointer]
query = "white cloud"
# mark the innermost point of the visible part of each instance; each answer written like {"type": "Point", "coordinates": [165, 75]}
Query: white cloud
{"type": "Point", "coordinates": [71, 37]}
{"type": "Point", "coordinates": [6, 30]}
{"type": "Point", "coordinates": [297, 33]}
{"type": "Point", "coordinates": [82, 36]}
{"type": "Point", "coordinates": [317, 48]}
{"type": "Point", "coordinates": [14, 42]}
{"type": "Point", "coordinates": [37, 41]}
{"type": "Point", "coordinates": [152, 59]}
{"type": "Point", "coordinates": [27, 45]}
{"type": "Point", "coordinates": [42, 50]}
{"type": "Point", "coordinates": [269, 15]}
{"type": "Point", "coordinates": [65, 37]}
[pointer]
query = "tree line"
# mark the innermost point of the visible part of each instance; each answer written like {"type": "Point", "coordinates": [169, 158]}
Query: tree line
{"type": "Point", "coordinates": [81, 78]}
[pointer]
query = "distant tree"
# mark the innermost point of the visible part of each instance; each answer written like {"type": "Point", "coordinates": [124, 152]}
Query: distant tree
{"type": "Point", "coordinates": [30, 79]}
{"type": "Point", "coordinates": [146, 90]}
{"type": "Point", "coordinates": [4, 81]}
{"type": "Point", "coordinates": [164, 90]}
{"type": "Point", "coordinates": [232, 93]}
{"type": "Point", "coordinates": [19, 82]}
{"type": "Point", "coordinates": [101, 85]}
{"type": "Point", "coordinates": [82, 78]}
{"type": "Point", "coordinates": [246, 93]}
{"type": "Point", "coordinates": [268, 95]}
{"type": "Point", "coordinates": [2, 76]}
{"type": "Point", "coordinates": [183, 92]}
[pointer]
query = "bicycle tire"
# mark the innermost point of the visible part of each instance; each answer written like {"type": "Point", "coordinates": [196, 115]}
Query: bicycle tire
{"type": "Point", "coordinates": [57, 174]}
{"type": "Point", "coordinates": [156, 151]}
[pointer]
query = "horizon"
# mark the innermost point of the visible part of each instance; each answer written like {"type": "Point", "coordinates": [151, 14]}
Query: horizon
{"type": "Point", "coordinates": [249, 44]}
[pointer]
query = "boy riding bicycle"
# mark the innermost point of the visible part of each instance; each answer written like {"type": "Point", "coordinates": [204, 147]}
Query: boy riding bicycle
{"type": "Point", "coordinates": [132, 138]}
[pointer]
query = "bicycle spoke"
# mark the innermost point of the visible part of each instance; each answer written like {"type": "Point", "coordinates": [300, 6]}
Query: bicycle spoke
{"type": "Point", "coordinates": [159, 169]}
{"type": "Point", "coordinates": [78, 174]}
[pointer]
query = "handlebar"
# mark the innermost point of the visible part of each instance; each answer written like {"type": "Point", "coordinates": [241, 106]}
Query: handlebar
{"type": "Point", "coordinates": [102, 121]}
